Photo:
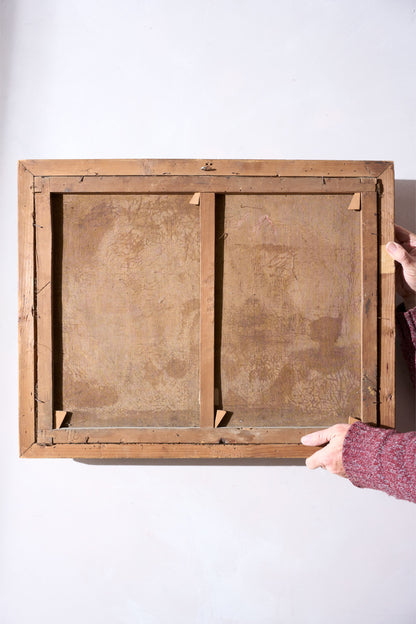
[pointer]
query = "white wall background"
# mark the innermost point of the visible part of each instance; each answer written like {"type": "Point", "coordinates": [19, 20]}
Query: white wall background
{"type": "Point", "coordinates": [200, 542]}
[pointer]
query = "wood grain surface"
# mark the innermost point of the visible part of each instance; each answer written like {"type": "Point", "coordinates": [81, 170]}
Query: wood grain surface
{"type": "Point", "coordinates": [178, 166]}
{"type": "Point", "coordinates": [27, 364]}
{"type": "Point", "coordinates": [210, 184]}
{"type": "Point", "coordinates": [387, 321]}
{"type": "Point", "coordinates": [207, 211]}
{"type": "Point", "coordinates": [43, 307]}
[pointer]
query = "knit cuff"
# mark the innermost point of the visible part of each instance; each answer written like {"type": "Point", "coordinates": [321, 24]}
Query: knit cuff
{"type": "Point", "coordinates": [410, 316]}
{"type": "Point", "coordinates": [382, 460]}
{"type": "Point", "coordinates": [359, 454]}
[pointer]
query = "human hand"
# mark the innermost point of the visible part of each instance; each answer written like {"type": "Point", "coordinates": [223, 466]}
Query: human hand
{"type": "Point", "coordinates": [403, 250]}
{"type": "Point", "coordinates": [330, 457]}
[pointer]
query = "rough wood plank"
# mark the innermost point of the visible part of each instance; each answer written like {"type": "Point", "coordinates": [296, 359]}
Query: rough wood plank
{"type": "Point", "coordinates": [212, 183]}
{"type": "Point", "coordinates": [369, 347]}
{"type": "Point", "coordinates": [170, 451]}
{"type": "Point", "coordinates": [185, 435]}
{"type": "Point", "coordinates": [43, 295]}
{"type": "Point", "coordinates": [305, 168]}
{"type": "Point", "coordinates": [26, 308]}
{"type": "Point", "coordinates": [207, 211]}
{"type": "Point", "coordinates": [387, 306]}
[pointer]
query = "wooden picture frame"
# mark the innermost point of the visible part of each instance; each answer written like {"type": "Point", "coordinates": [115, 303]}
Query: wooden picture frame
{"type": "Point", "coordinates": [202, 309]}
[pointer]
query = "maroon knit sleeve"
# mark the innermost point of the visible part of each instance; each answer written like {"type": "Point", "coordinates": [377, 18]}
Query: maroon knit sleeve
{"type": "Point", "coordinates": [406, 324]}
{"type": "Point", "coordinates": [381, 459]}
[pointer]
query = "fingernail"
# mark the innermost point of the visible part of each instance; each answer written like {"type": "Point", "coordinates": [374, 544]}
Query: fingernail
{"type": "Point", "coordinates": [304, 439]}
{"type": "Point", "coordinates": [392, 246]}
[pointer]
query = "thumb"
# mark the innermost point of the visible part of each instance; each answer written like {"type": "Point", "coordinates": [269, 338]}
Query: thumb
{"type": "Point", "coordinates": [400, 255]}
{"type": "Point", "coordinates": [317, 438]}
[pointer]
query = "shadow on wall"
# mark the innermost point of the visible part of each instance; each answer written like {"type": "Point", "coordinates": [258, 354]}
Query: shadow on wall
{"type": "Point", "coordinates": [7, 24]}
{"type": "Point", "coordinates": [405, 393]}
